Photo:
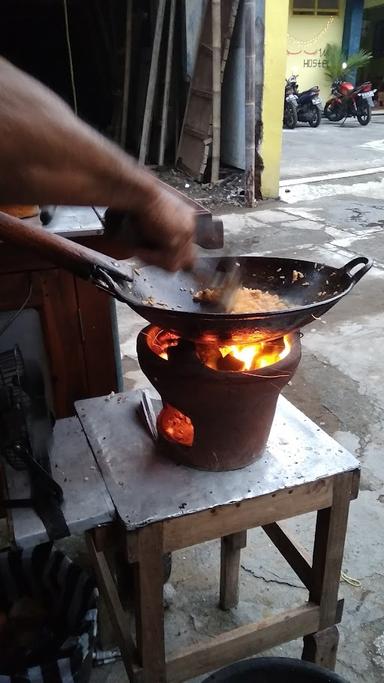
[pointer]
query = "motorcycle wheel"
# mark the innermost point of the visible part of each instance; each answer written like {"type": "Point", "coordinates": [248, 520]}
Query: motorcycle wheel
{"type": "Point", "coordinates": [333, 113]}
{"type": "Point", "coordinates": [315, 119]}
{"type": "Point", "coordinates": [290, 116]}
{"type": "Point", "coordinates": [364, 114]}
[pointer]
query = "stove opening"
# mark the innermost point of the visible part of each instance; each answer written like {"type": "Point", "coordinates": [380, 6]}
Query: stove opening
{"type": "Point", "coordinates": [227, 358]}
{"type": "Point", "coordinates": [175, 426]}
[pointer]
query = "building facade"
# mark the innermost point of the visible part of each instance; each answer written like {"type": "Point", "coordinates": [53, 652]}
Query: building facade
{"type": "Point", "coordinates": [372, 40]}
{"type": "Point", "coordinates": [312, 25]}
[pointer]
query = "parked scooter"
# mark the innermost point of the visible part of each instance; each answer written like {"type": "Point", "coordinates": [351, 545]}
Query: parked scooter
{"type": "Point", "coordinates": [290, 107]}
{"type": "Point", "coordinates": [309, 104]}
{"type": "Point", "coordinates": [347, 101]}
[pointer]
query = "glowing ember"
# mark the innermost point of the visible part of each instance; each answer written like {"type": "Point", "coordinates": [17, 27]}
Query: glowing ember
{"type": "Point", "coordinates": [244, 357]}
{"type": "Point", "coordinates": [161, 340]}
{"type": "Point", "coordinates": [175, 426]}
{"type": "Point", "coordinates": [259, 355]}
{"type": "Point", "coordinates": [229, 358]}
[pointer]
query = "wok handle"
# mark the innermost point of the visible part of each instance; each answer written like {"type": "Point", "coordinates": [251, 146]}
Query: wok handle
{"type": "Point", "coordinates": [366, 264]}
{"type": "Point", "coordinates": [76, 258]}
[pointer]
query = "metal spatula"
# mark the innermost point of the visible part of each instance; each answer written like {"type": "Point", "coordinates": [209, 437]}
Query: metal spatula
{"type": "Point", "coordinates": [230, 285]}
{"type": "Point", "coordinates": [225, 282]}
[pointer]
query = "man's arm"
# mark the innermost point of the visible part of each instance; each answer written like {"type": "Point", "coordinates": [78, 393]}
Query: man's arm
{"type": "Point", "coordinates": [49, 156]}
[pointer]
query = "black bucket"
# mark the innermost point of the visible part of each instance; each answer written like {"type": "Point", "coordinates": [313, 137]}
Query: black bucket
{"type": "Point", "coordinates": [275, 670]}
{"type": "Point", "coordinates": [69, 596]}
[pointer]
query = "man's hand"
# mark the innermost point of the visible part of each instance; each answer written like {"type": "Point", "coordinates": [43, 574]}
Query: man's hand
{"type": "Point", "coordinates": [48, 156]}
{"type": "Point", "coordinates": [165, 232]}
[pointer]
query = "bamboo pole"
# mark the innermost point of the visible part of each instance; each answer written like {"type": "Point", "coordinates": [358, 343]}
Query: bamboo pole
{"type": "Point", "coordinates": [216, 88]}
{"type": "Point", "coordinates": [167, 84]}
{"type": "Point", "coordinates": [249, 32]}
{"type": "Point", "coordinates": [148, 111]}
{"type": "Point", "coordinates": [259, 89]}
{"type": "Point", "coordinates": [127, 74]}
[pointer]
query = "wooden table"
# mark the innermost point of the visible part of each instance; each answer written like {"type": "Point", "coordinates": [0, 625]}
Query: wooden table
{"type": "Point", "coordinates": [163, 507]}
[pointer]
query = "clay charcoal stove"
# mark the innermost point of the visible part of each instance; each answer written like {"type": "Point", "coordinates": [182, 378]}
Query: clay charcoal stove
{"type": "Point", "coordinates": [218, 401]}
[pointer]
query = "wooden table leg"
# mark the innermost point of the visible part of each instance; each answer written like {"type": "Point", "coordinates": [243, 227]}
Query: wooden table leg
{"type": "Point", "coordinates": [328, 551]}
{"type": "Point", "coordinates": [321, 647]}
{"type": "Point", "coordinates": [229, 568]}
{"type": "Point", "coordinates": [149, 609]}
{"type": "Point", "coordinates": [119, 618]}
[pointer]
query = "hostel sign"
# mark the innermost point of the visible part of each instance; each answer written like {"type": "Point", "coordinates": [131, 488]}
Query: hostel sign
{"type": "Point", "coordinates": [319, 62]}
{"type": "Point", "coordinates": [312, 60]}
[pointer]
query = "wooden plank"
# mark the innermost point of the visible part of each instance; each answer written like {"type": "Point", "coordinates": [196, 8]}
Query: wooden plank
{"type": "Point", "coordinates": [86, 500]}
{"type": "Point", "coordinates": [226, 37]}
{"type": "Point", "coordinates": [148, 111]}
{"type": "Point", "coordinates": [127, 73]}
{"type": "Point", "coordinates": [107, 536]}
{"type": "Point", "coordinates": [197, 132]}
{"type": "Point", "coordinates": [14, 290]}
{"type": "Point", "coordinates": [249, 105]}
{"type": "Point", "coordinates": [94, 311]}
{"type": "Point", "coordinates": [259, 91]}
{"type": "Point", "coordinates": [229, 568]}
{"type": "Point", "coordinates": [205, 94]}
{"type": "Point", "coordinates": [63, 337]}
{"type": "Point", "coordinates": [198, 114]}
{"type": "Point", "coordinates": [321, 647]}
{"type": "Point", "coordinates": [298, 558]}
{"type": "Point", "coordinates": [183, 532]}
{"type": "Point", "coordinates": [119, 618]}
{"type": "Point", "coordinates": [167, 84]}
{"type": "Point", "coordinates": [331, 528]}
{"type": "Point", "coordinates": [216, 88]}
{"type": "Point", "coordinates": [242, 642]}
{"type": "Point", "coordinates": [149, 608]}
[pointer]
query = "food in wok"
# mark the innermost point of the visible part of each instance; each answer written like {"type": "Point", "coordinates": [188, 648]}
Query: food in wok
{"type": "Point", "coordinates": [245, 300]}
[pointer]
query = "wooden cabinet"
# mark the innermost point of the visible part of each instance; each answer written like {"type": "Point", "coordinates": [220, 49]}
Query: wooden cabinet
{"type": "Point", "coordinates": [77, 321]}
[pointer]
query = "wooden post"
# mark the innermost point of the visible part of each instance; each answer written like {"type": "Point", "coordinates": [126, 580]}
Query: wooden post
{"type": "Point", "coordinates": [259, 88]}
{"type": "Point", "coordinates": [167, 84]}
{"type": "Point", "coordinates": [149, 608]}
{"type": "Point", "coordinates": [231, 546]}
{"type": "Point", "coordinates": [216, 88]}
{"type": "Point", "coordinates": [127, 74]}
{"type": "Point", "coordinates": [148, 111]}
{"type": "Point", "coordinates": [250, 37]}
{"type": "Point", "coordinates": [328, 550]}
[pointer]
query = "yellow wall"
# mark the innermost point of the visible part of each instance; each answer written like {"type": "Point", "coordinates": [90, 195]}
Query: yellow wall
{"type": "Point", "coordinates": [276, 23]}
{"type": "Point", "coordinates": [307, 40]}
{"type": "Point", "coordinates": [373, 3]}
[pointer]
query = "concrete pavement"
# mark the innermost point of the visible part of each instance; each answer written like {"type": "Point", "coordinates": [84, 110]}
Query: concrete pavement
{"type": "Point", "coordinates": [332, 147]}
{"type": "Point", "coordinates": [339, 386]}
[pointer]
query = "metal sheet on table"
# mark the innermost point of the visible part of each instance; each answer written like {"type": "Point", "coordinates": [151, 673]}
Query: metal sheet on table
{"type": "Point", "coordinates": [75, 221]}
{"type": "Point", "coordinates": [86, 500]}
{"type": "Point", "coordinates": [147, 487]}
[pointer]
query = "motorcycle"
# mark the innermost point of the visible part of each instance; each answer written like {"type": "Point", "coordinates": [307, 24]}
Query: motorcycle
{"type": "Point", "coordinates": [348, 100]}
{"type": "Point", "coordinates": [290, 107]}
{"type": "Point", "coordinates": [309, 105]}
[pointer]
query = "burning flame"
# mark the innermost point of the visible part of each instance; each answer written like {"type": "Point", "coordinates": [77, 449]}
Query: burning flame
{"type": "Point", "coordinates": [160, 341]}
{"type": "Point", "coordinates": [255, 356]}
{"type": "Point", "coordinates": [176, 426]}
{"type": "Point", "coordinates": [230, 357]}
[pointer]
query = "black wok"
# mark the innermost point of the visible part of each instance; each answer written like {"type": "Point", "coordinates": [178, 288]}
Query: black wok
{"type": "Point", "coordinates": [166, 299]}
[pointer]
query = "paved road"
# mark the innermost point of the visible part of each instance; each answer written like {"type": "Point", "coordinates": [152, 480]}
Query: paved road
{"type": "Point", "coordinates": [332, 148]}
